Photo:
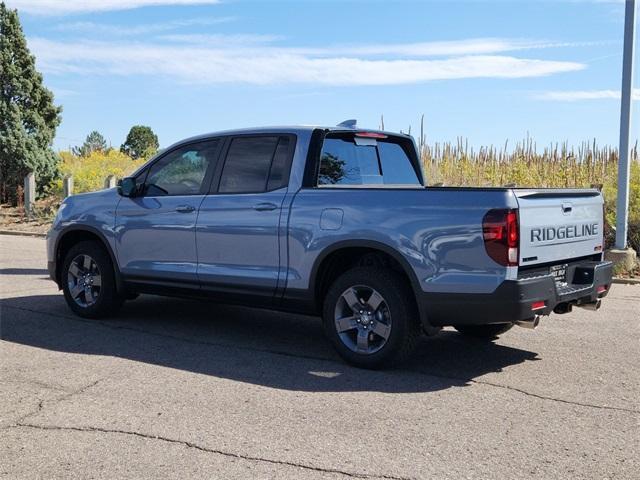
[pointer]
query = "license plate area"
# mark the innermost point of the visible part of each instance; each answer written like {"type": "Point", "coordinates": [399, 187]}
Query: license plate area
{"type": "Point", "coordinates": [559, 273]}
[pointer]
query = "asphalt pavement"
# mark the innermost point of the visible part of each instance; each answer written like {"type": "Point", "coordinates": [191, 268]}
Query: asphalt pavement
{"type": "Point", "coordinates": [186, 389]}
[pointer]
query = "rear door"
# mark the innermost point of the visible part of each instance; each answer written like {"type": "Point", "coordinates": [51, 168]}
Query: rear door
{"type": "Point", "coordinates": [238, 233]}
{"type": "Point", "coordinates": [559, 225]}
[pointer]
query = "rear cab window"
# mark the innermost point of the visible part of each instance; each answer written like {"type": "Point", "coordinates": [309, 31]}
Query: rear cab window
{"type": "Point", "coordinates": [370, 159]}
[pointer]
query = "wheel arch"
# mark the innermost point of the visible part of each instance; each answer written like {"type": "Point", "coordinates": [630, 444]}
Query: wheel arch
{"type": "Point", "coordinates": [321, 273]}
{"type": "Point", "coordinates": [74, 234]}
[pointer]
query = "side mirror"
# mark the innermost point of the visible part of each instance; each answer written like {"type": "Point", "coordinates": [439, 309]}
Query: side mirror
{"type": "Point", "coordinates": [127, 187]}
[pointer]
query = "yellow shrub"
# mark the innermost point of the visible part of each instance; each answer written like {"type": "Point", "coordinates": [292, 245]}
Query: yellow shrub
{"type": "Point", "coordinates": [89, 173]}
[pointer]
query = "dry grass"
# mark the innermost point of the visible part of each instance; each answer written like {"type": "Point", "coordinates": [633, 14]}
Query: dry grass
{"type": "Point", "coordinates": [557, 165]}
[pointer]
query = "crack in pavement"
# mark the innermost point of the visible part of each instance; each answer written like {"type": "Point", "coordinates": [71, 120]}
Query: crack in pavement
{"type": "Point", "coordinates": [29, 381]}
{"type": "Point", "coordinates": [543, 397]}
{"type": "Point", "coordinates": [20, 423]}
{"type": "Point", "coordinates": [57, 400]}
{"type": "Point", "coordinates": [326, 359]}
{"type": "Point", "coordinates": [211, 450]}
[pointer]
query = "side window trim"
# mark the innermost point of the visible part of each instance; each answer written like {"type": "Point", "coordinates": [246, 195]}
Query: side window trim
{"type": "Point", "coordinates": [312, 162]}
{"type": "Point", "coordinates": [286, 174]}
{"type": "Point", "coordinates": [273, 156]}
{"type": "Point", "coordinates": [223, 155]}
{"type": "Point", "coordinates": [207, 176]}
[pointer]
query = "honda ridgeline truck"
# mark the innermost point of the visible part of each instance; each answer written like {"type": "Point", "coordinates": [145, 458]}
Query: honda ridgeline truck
{"type": "Point", "coordinates": [336, 222]}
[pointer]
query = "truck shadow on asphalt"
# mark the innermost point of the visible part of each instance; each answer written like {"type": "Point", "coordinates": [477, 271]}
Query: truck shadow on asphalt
{"type": "Point", "coordinates": [260, 347]}
{"type": "Point", "coordinates": [24, 271]}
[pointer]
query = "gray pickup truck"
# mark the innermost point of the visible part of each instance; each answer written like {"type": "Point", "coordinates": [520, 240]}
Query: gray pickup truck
{"type": "Point", "coordinates": [335, 222]}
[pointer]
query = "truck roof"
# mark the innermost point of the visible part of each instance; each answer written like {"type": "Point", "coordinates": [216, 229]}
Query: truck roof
{"type": "Point", "coordinates": [295, 129]}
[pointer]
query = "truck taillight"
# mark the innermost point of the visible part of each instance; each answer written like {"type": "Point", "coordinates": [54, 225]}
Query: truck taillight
{"type": "Point", "coordinates": [501, 238]}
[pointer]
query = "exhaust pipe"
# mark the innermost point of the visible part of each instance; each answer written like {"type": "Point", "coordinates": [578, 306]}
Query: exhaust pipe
{"type": "Point", "coordinates": [593, 306]}
{"type": "Point", "coordinates": [563, 308]}
{"type": "Point", "coordinates": [529, 323]}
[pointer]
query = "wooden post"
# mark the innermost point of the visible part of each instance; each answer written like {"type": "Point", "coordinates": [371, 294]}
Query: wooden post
{"type": "Point", "coordinates": [29, 193]}
{"type": "Point", "coordinates": [110, 181]}
{"type": "Point", "coordinates": [67, 186]}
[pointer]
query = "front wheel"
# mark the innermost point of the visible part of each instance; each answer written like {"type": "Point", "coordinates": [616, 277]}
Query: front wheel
{"type": "Point", "coordinates": [484, 332]}
{"type": "Point", "coordinates": [371, 317]}
{"type": "Point", "coordinates": [88, 281]}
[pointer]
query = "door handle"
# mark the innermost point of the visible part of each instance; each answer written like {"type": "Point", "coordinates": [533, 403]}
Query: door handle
{"type": "Point", "coordinates": [185, 208]}
{"type": "Point", "coordinates": [263, 207]}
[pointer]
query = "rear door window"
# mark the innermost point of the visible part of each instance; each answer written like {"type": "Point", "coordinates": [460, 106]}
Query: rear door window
{"type": "Point", "coordinates": [348, 160]}
{"type": "Point", "coordinates": [256, 164]}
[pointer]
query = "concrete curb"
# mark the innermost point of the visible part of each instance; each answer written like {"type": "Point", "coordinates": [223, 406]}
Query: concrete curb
{"type": "Point", "coordinates": [24, 234]}
{"type": "Point", "coordinates": [627, 281]}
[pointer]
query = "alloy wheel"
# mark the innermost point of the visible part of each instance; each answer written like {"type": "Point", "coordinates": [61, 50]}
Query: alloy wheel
{"type": "Point", "coordinates": [362, 319]}
{"type": "Point", "coordinates": [84, 280]}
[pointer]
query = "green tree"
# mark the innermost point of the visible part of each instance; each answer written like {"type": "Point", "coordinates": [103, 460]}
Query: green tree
{"type": "Point", "coordinates": [332, 169]}
{"type": "Point", "coordinates": [28, 116]}
{"type": "Point", "coordinates": [141, 142]}
{"type": "Point", "coordinates": [94, 142]}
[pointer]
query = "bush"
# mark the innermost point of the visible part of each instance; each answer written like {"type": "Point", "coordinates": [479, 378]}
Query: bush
{"type": "Point", "coordinates": [89, 173]}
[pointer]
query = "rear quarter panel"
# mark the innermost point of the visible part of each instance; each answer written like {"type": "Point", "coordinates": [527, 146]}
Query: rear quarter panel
{"type": "Point", "coordinates": [437, 231]}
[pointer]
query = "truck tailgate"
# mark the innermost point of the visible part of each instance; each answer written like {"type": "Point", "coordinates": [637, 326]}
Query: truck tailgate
{"type": "Point", "coordinates": [559, 225]}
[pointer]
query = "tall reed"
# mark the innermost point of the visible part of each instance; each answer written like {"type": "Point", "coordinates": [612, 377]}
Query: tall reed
{"type": "Point", "coordinates": [556, 165]}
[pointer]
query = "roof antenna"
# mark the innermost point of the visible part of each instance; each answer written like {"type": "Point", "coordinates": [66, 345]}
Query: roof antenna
{"type": "Point", "coordinates": [348, 123]}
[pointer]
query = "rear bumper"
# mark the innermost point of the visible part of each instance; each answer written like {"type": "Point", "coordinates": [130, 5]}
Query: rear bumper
{"type": "Point", "coordinates": [513, 299]}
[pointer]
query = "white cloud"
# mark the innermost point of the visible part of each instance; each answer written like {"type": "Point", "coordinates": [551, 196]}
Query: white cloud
{"type": "Point", "coordinates": [579, 95]}
{"type": "Point", "coordinates": [263, 65]}
{"type": "Point", "coordinates": [94, 28]}
{"type": "Point", "coordinates": [60, 7]}
{"type": "Point", "coordinates": [218, 40]}
{"type": "Point", "coordinates": [474, 46]}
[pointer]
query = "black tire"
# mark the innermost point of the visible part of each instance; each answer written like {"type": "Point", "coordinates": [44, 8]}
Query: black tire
{"type": "Point", "coordinates": [107, 300]}
{"type": "Point", "coordinates": [399, 304]}
{"type": "Point", "coordinates": [484, 332]}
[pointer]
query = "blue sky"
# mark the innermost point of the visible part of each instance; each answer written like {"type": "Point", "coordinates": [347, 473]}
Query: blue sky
{"type": "Point", "coordinates": [489, 71]}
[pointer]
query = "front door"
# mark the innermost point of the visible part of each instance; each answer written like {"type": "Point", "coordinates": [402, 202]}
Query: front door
{"type": "Point", "coordinates": [238, 232]}
{"type": "Point", "coordinates": [155, 230]}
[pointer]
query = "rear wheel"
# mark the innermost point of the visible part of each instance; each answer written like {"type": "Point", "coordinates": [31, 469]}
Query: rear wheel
{"type": "Point", "coordinates": [88, 281]}
{"type": "Point", "coordinates": [484, 332]}
{"type": "Point", "coordinates": [371, 318]}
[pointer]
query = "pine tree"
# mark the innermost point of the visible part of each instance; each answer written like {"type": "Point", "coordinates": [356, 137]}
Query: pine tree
{"type": "Point", "coordinates": [28, 116]}
{"type": "Point", "coordinates": [94, 142]}
{"type": "Point", "coordinates": [141, 142]}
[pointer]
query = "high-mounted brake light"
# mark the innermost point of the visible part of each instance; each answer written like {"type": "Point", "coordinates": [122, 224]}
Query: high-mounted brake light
{"type": "Point", "coordinates": [370, 135]}
{"type": "Point", "coordinates": [501, 236]}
